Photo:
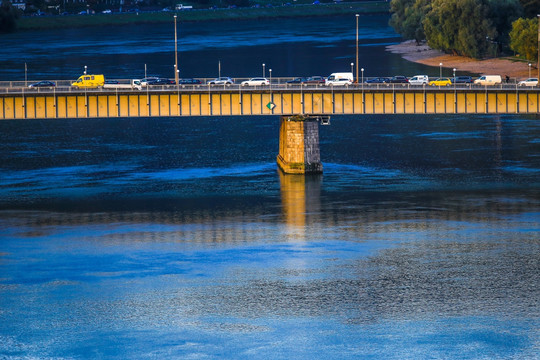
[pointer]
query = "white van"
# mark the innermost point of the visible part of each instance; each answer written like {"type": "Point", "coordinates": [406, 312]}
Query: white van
{"type": "Point", "coordinates": [339, 79]}
{"type": "Point", "coordinates": [419, 80]}
{"type": "Point", "coordinates": [489, 80]}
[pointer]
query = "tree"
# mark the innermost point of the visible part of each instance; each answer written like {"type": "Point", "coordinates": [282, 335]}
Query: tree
{"type": "Point", "coordinates": [531, 8]}
{"type": "Point", "coordinates": [407, 18]}
{"type": "Point", "coordinates": [523, 38]}
{"type": "Point", "coordinates": [502, 13]}
{"type": "Point", "coordinates": [460, 26]}
{"type": "Point", "coordinates": [8, 17]}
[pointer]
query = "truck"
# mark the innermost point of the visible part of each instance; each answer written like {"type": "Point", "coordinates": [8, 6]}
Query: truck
{"type": "Point", "coordinates": [89, 81]}
{"type": "Point", "coordinates": [133, 84]}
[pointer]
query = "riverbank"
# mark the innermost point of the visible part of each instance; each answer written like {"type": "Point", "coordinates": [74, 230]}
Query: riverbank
{"type": "Point", "coordinates": [286, 11]}
{"type": "Point", "coordinates": [423, 54]}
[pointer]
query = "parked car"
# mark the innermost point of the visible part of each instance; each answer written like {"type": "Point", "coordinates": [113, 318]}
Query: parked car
{"type": "Point", "coordinates": [440, 82]}
{"type": "Point", "coordinates": [339, 79]}
{"type": "Point", "coordinates": [419, 80]}
{"type": "Point", "coordinates": [315, 80]}
{"type": "Point", "coordinates": [399, 80]}
{"type": "Point", "coordinates": [378, 80]}
{"type": "Point", "coordinates": [43, 83]}
{"type": "Point", "coordinates": [463, 80]}
{"type": "Point", "coordinates": [221, 81]}
{"type": "Point", "coordinates": [298, 80]}
{"type": "Point", "coordinates": [256, 82]}
{"type": "Point", "coordinates": [529, 82]}
{"type": "Point", "coordinates": [189, 81]}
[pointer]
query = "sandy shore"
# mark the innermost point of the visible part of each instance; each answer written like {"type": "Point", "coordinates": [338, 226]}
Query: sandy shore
{"type": "Point", "coordinates": [423, 54]}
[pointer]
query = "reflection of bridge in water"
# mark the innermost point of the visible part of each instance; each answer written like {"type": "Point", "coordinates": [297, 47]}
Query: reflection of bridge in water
{"type": "Point", "coordinates": [299, 107]}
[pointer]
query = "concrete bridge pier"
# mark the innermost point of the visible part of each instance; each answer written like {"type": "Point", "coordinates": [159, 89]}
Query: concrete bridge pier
{"type": "Point", "coordinates": [299, 144]}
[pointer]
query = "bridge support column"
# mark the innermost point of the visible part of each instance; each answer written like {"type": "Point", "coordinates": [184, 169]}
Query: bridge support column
{"type": "Point", "coordinates": [299, 145]}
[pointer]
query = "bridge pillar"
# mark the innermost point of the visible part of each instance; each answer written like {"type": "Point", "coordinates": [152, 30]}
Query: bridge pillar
{"type": "Point", "coordinates": [299, 145]}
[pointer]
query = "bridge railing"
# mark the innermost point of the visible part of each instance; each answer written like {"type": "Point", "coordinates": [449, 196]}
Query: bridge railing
{"type": "Point", "coordinates": [279, 83]}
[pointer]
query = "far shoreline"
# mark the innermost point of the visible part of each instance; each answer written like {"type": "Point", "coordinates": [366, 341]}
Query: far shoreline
{"type": "Point", "coordinates": [423, 54]}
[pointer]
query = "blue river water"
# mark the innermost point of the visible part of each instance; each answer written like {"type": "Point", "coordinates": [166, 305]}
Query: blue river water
{"type": "Point", "coordinates": [178, 238]}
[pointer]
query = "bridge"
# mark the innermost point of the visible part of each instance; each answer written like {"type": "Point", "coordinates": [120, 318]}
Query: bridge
{"type": "Point", "coordinates": [300, 107]}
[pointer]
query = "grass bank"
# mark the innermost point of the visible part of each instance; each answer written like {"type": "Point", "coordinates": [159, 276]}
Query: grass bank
{"type": "Point", "coordinates": [70, 21]}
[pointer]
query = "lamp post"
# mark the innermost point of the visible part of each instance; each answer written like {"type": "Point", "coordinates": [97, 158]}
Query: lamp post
{"type": "Point", "coordinates": [538, 66]}
{"type": "Point", "coordinates": [219, 68]}
{"type": "Point", "coordinates": [440, 70]}
{"type": "Point", "coordinates": [85, 69]}
{"type": "Point", "coordinates": [529, 69]}
{"type": "Point", "coordinates": [270, 71]}
{"type": "Point", "coordinates": [175, 53]}
{"type": "Point", "coordinates": [145, 71]}
{"type": "Point", "coordinates": [362, 69]}
{"type": "Point", "coordinates": [352, 67]}
{"type": "Point", "coordinates": [454, 69]}
{"type": "Point", "coordinates": [357, 16]}
{"type": "Point", "coordinates": [264, 72]}
{"type": "Point", "coordinates": [25, 75]}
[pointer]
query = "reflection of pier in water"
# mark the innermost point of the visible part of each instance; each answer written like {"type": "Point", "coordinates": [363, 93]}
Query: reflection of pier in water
{"type": "Point", "coordinates": [358, 216]}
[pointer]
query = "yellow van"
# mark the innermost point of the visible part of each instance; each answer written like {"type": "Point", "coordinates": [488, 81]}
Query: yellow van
{"type": "Point", "coordinates": [86, 81]}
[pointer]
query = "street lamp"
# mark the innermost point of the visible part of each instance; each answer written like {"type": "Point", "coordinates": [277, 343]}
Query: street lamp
{"type": "Point", "coordinates": [219, 68]}
{"type": "Point", "coordinates": [454, 69]}
{"type": "Point", "coordinates": [357, 16]}
{"type": "Point", "coordinates": [85, 69]}
{"type": "Point", "coordinates": [270, 71]}
{"type": "Point", "coordinates": [25, 75]}
{"type": "Point", "coordinates": [175, 53]}
{"type": "Point", "coordinates": [529, 69]}
{"type": "Point", "coordinates": [362, 69]}
{"type": "Point", "coordinates": [538, 66]}
{"type": "Point", "coordinates": [264, 72]}
{"type": "Point", "coordinates": [440, 70]}
{"type": "Point", "coordinates": [145, 71]}
{"type": "Point", "coordinates": [352, 67]}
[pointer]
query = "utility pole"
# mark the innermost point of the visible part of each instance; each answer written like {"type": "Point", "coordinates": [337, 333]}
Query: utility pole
{"type": "Point", "coordinates": [357, 15]}
{"type": "Point", "coordinates": [538, 66]}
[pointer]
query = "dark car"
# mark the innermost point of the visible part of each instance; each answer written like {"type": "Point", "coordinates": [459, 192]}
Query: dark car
{"type": "Point", "coordinates": [399, 80]}
{"type": "Point", "coordinates": [298, 80]}
{"type": "Point", "coordinates": [315, 80]}
{"type": "Point", "coordinates": [462, 80]}
{"type": "Point", "coordinates": [161, 81]}
{"type": "Point", "coordinates": [43, 83]}
{"type": "Point", "coordinates": [189, 81]}
{"type": "Point", "coordinates": [378, 80]}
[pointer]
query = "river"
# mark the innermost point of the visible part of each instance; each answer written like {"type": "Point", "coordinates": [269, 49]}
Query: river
{"type": "Point", "coordinates": [178, 238]}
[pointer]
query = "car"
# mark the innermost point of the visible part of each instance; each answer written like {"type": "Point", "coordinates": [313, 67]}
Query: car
{"type": "Point", "coordinates": [298, 80]}
{"type": "Point", "coordinates": [221, 81]}
{"type": "Point", "coordinates": [462, 80]}
{"type": "Point", "coordinates": [315, 80]}
{"type": "Point", "coordinates": [399, 80]}
{"type": "Point", "coordinates": [378, 80]}
{"type": "Point", "coordinates": [108, 11]}
{"type": "Point", "coordinates": [256, 82]}
{"type": "Point", "coordinates": [146, 80]}
{"type": "Point", "coordinates": [43, 83]}
{"type": "Point", "coordinates": [440, 82]}
{"type": "Point", "coordinates": [189, 81]}
{"type": "Point", "coordinates": [161, 81]}
{"type": "Point", "coordinates": [529, 82]}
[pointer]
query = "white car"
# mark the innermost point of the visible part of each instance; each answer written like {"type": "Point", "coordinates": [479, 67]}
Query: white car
{"type": "Point", "coordinates": [419, 80]}
{"type": "Point", "coordinates": [339, 82]}
{"type": "Point", "coordinates": [256, 82]}
{"type": "Point", "coordinates": [221, 81]}
{"type": "Point", "coordinates": [529, 82]}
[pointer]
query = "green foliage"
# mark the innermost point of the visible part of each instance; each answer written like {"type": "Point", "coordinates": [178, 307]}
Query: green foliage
{"type": "Point", "coordinates": [407, 17]}
{"type": "Point", "coordinates": [523, 38]}
{"type": "Point", "coordinates": [502, 13]}
{"type": "Point", "coordinates": [8, 17]}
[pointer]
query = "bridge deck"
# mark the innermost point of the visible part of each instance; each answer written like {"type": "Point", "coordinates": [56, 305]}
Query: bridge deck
{"type": "Point", "coordinates": [241, 102]}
